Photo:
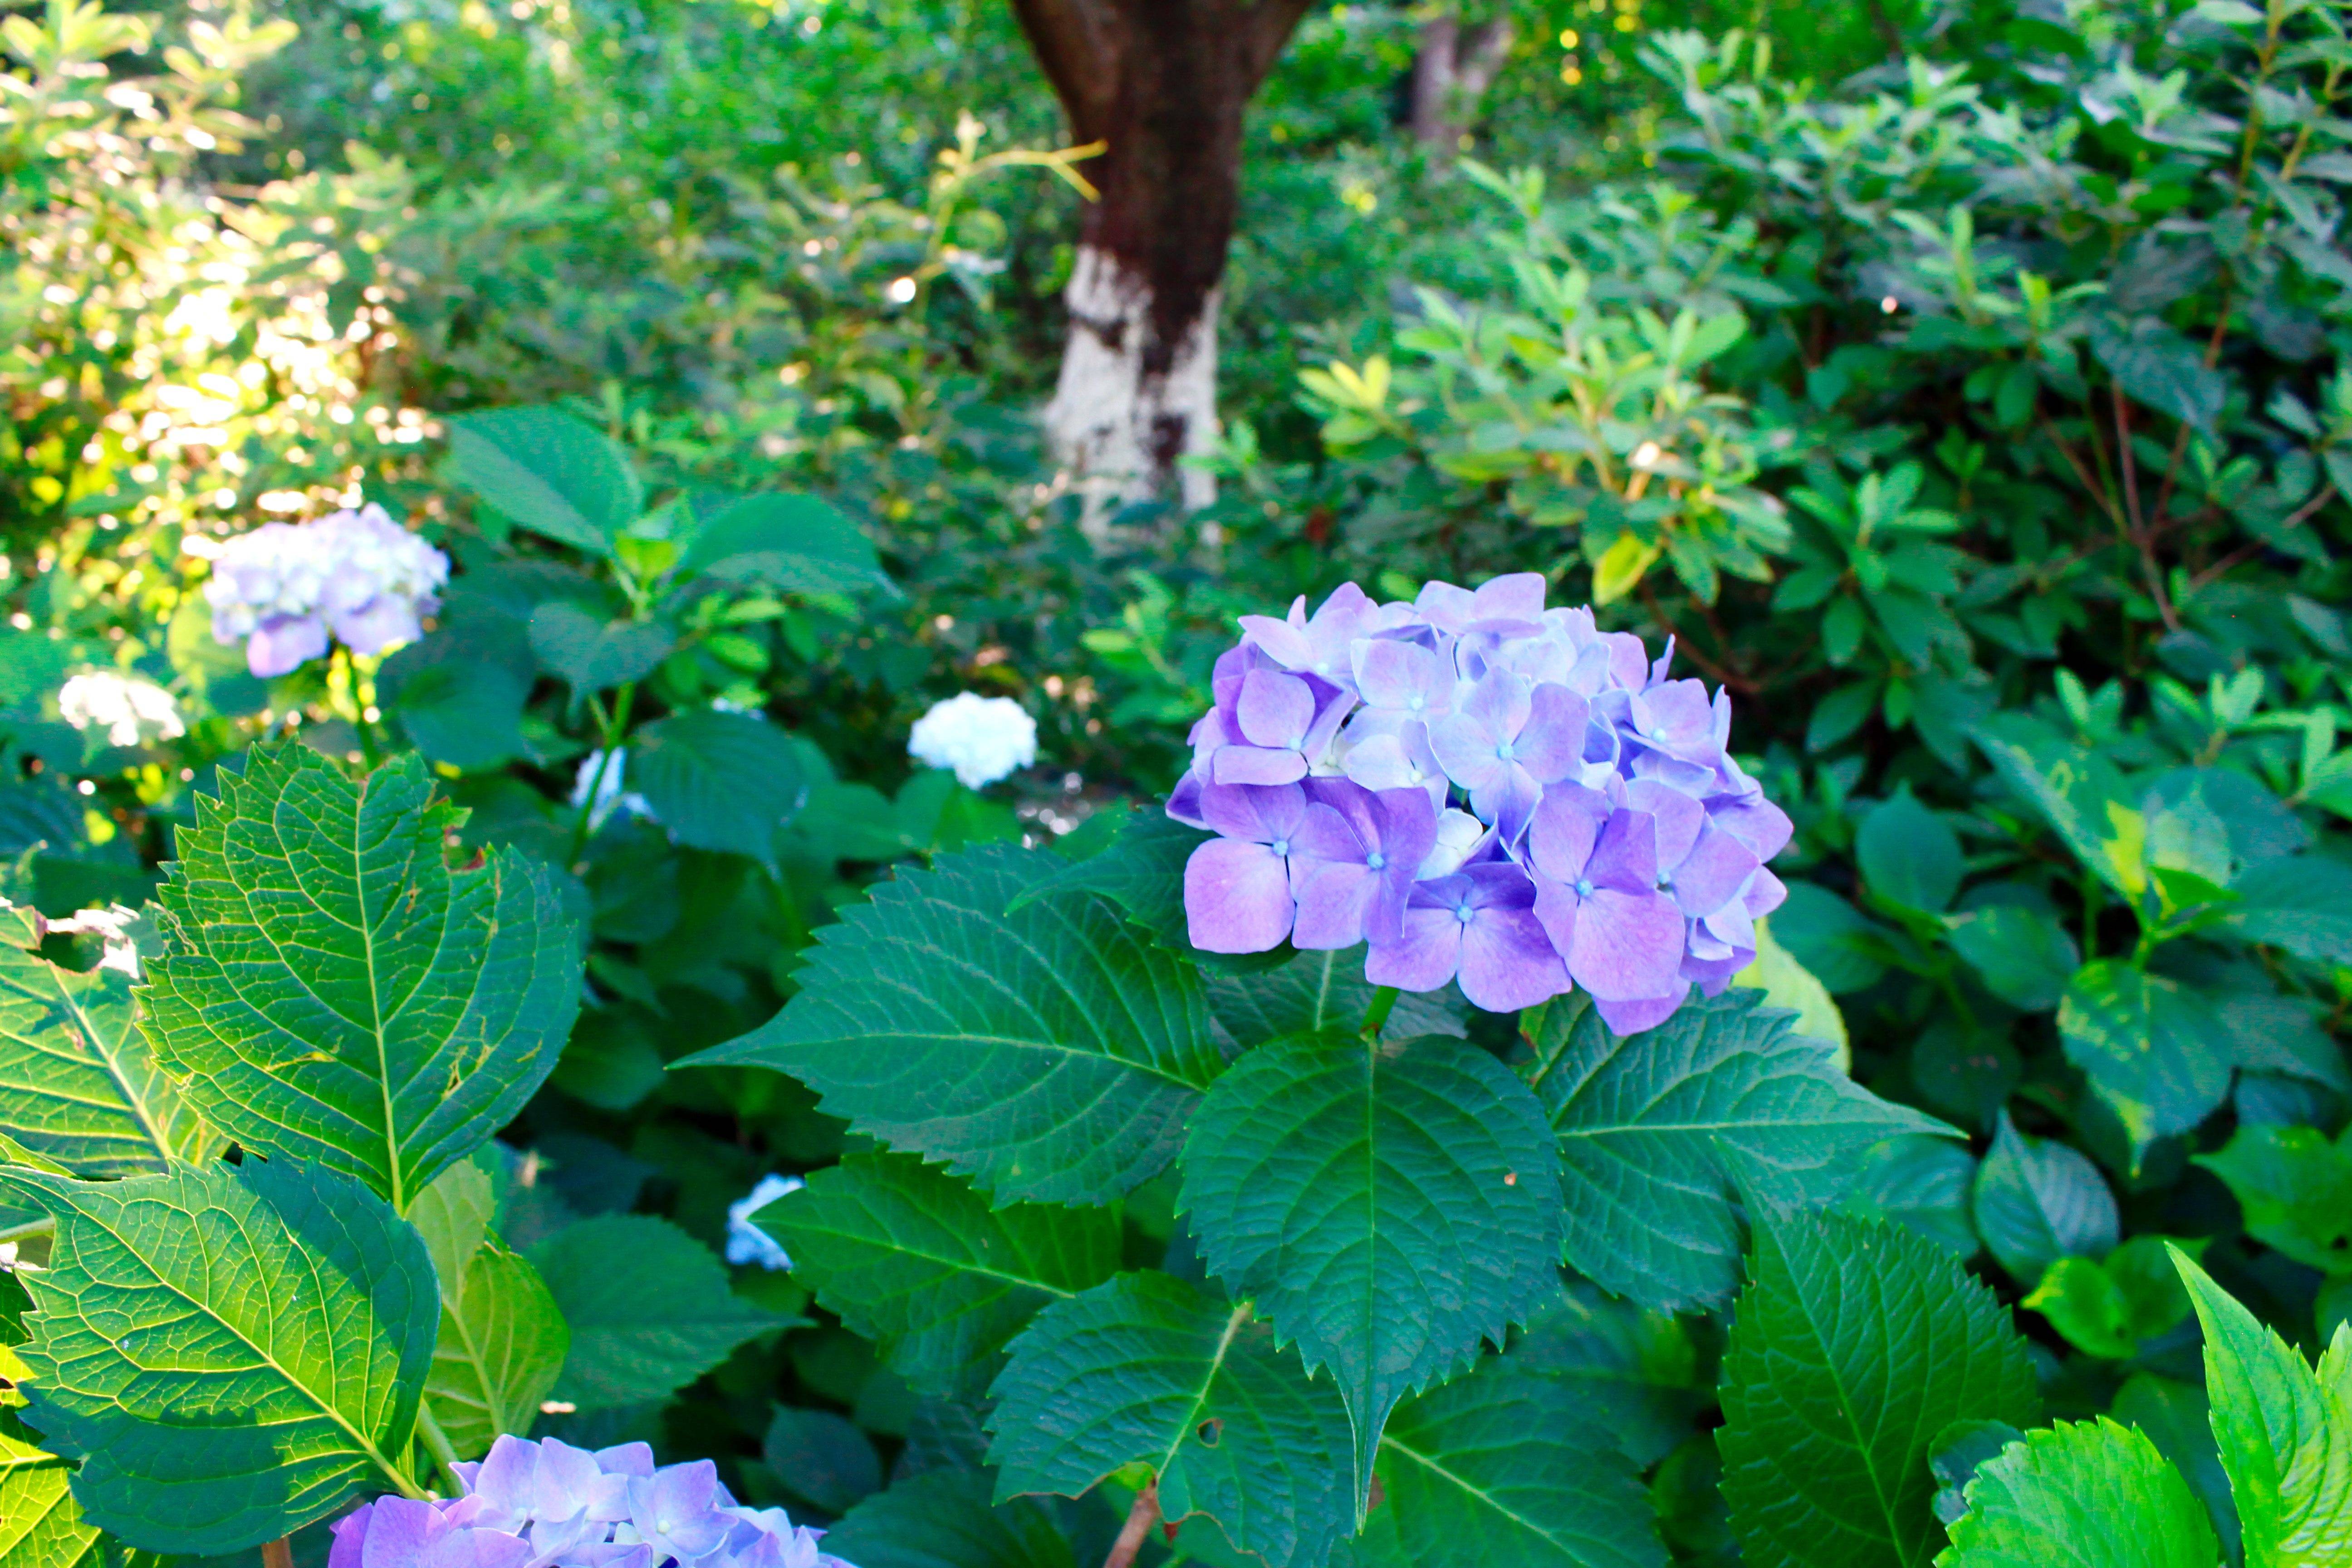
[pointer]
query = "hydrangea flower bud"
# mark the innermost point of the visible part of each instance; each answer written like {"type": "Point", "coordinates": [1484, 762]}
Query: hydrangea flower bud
{"type": "Point", "coordinates": [1585, 824]}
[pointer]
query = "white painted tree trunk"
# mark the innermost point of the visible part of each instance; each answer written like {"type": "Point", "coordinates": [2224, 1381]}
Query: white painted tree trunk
{"type": "Point", "coordinates": [1117, 425]}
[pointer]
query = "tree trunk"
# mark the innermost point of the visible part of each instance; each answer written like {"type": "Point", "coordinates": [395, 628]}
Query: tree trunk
{"type": "Point", "coordinates": [1164, 84]}
{"type": "Point", "coordinates": [1451, 71]}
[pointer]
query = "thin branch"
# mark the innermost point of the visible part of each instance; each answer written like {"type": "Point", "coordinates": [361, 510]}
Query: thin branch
{"type": "Point", "coordinates": [2142, 540]}
{"type": "Point", "coordinates": [1140, 1521]}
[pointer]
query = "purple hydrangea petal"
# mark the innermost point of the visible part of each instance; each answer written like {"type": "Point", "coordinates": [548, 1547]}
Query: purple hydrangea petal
{"type": "Point", "coordinates": [1714, 873]}
{"type": "Point", "coordinates": [1551, 742]}
{"type": "Point", "coordinates": [1263, 813]}
{"type": "Point", "coordinates": [1275, 710]}
{"type": "Point", "coordinates": [1626, 858]}
{"type": "Point", "coordinates": [1402, 678]}
{"type": "Point", "coordinates": [283, 644]}
{"type": "Point", "coordinates": [1679, 817]}
{"type": "Point", "coordinates": [350, 1533]}
{"type": "Point", "coordinates": [1627, 945]}
{"type": "Point", "coordinates": [1257, 765]}
{"type": "Point", "coordinates": [1632, 1017]}
{"type": "Point", "coordinates": [1564, 829]}
{"type": "Point", "coordinates": [1237, 897]}
{"type": "Point", "coordinates": [1425, 953]}
{"type": "Point", "coordinates": [1397, 758]}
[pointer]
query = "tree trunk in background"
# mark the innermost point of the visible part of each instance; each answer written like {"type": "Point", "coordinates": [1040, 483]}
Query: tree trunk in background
{"type": "Point", "coordinates": [1164, 83]}
{"type": "Point", "coordinates": [1452, 71]}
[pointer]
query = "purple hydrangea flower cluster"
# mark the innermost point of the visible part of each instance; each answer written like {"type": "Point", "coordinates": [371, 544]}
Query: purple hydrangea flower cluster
{"type": "Point", "coordinates": [549, 1505]}
{"type": "Point", "coordinates": [1483, 790]}
{"type": "Point", "coordinates": [286, 588]}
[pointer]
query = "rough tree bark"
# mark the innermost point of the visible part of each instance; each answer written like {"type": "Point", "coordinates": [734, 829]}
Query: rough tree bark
{"type": "Point", "coordinates": [1451, 72]}
{"type": "Point", "coordinates": [1164, 84]}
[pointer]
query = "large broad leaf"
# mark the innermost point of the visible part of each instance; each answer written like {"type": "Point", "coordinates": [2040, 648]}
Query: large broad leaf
{"type": "Point", "coordinates": [547, 472]}
{"type": "Point", "coordinates": [1051, 1052]}
{"type": "Point", "coordinates": [1909, 855]}
{"type": "Point", "coordinates": [2079, 792]}
{"type": "Point", "coordinates": [2302, 903]}
{"type": "Point", "coordinates": [2159, 368]}
{"type": "Point", "coordinates": [1141, 871]}
{"type": "Point", "coordinates": [78, 1084]}
{"type": "Point", "coordinates": [2285, 1435]}
{"type": "Point", "coordinates": [2109, 1306]}
{"type": "Point", "coordinates": [502, 1340]}
{"type": "Point", "coordinates": [1321, 991]}
{"type": "Point", "coordinates": [917, 1262]}
{"type": "Point", "coordinates": [1148, 1369]}
{"type": "Point", "coordinates": [2178, 1419]}
{"type": "Point", "coordinates": [332, 991]}
{"type": "Point", "coordinates": [1506, 1470]}
{"type": "Point", "coordinates": [1634, 1370]}
{"type": "Point", "coordinates": [40, 1525]}
{"type": "Point", "coordinates": [943, 1519]}
{"type": "Point", "coordinates": [2037, 1201]}
{"type": "Point", "coordinates": [1655, 1129]}
{"type": "Point", "coordinates": [2022, 954]}
{"type": "Point", "coordinates": [589, 652]}
{"type": "Point", "coordinates": [649, 1307]}
{"type": "Point", "coordinates": [231, 1351]}
{"type": "Point", "coordinates": [2158, 1050]}
{"type": "Point", "coordinates": [1856, 1343]}
{"type": "Point", "coordinates": [2084, 1494]}
{"type": "Point", "coordinates": [1387, 1205]}
{"type": "Point", "coordinates": [719, 780]}
{"type": "Point", "coordinates": [798, 543]}
{"type": "Point", "coordinates": [2294, 1185]}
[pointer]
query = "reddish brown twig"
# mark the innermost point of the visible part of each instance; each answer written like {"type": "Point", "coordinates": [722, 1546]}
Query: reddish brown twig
{"type": "Point", "coordinates": [1140, 1521]}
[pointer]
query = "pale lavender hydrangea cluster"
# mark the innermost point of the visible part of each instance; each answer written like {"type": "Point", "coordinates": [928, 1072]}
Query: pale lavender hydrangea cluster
{"type": "Point", "coordinates": [1482, 789]}
{"type": "Point", "coordinates": [549, 1505]}
{"type": "Point", "coordinates": [284, 588]}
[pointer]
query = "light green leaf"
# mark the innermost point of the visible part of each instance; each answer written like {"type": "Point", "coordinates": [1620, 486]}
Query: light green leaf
{"type": "Point", "coordinates": [1634, 1370]}
{"type": "Point", "coordinates": [1321, 990]}
{"type": "Point", "coordinates": [1652, 1129]}
{"type": "Point", "coordinates": [1790, 985]}
{"type": "Point", "coordinates": [232, 1350]}
{"type": "Point", "coordinates": [2038, 1201]}
{"type": "Point", "coordinates": [2177, 1419]}
{"type": "Point", "coordinates": [1505, 1469]}
{"type": "Point", "coordinates": [78, 1084]}
{"type": "Point", "coordinates": [589, 652]}
{"type": "Point", "coordinates": [1386, 1206]}
{"type": "Point", "coordinates": [1854, 1343]}
{"type": "Point", "coordinates": [1909, 855]}
{"type": "Point", "coordinates": [1148, 1369]}
{"type": "Point", "coordinates": [2023, 955]}
{"type": "Point", "coordinates": [2080, 793]}
{"type": "Point", "coordinates": [2155, 1048]}
{"type": "Point", "coordinates": [943, 1519]}
{"type": "Point", "coordinates": [1051, 1052]}
{"type": "Point", "coordinates": [2285, 1435]}
{"type": "Point", "coordinates": [2082, 1494]}
{"type": "Point", "coordinates": [2295, 1188]}
{"type": "Point", "coordinates": [717, 779]}
{"type": "Point", "coordinates": [331, 991]}
{"type": "Point", "coordinates": [2106, 1306]}
{"type": "Point", "coordinates": [503, 1341]}
{"type": "Point", "coordinates": [917, 1262]}
{"type": "Point", "coordinates": [648, 1306]}
{"type": "Point", "coordinates": [797, 543]}
{"type": "Point", "coordinates": [547, 472]}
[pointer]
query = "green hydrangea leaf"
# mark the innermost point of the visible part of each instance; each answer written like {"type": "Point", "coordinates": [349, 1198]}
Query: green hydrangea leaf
{"type": "Point", "coordinates": [2286, 1434]}
{"type": "Point", "coordinates": [2106, 1306]}
{"type": "Point", "coordinates": [1909, 855]}
{"type": "Point", "coordinates": [2023, 955]}
{"type": "Point", "coordinates": [503, 1341]}
{"type": "Point", "coordinates": [1051, 1052]}
{"type": "Point", "coordinates": [719, 781]}
{"type": "Point", "coordinates": [1856, 1343]}
{"type": "Point", "coordinates": [1141, 871]}
{"type": "Point", "coordinates": [2081, 1494]}
{"type": "Point", "coordinates": [1386, 1205]}
{"type": "Point", "coordinates": [821, 1459]}
{"type": "Point", "coordinates": [2156, 1049]}
{"type": "Point", "coordinates": [78, 1084]}
{"type": "Point", "coordinates": [331, 991]}
{"type": "Point", "coordinates": [1634, 1370]}
{"type": "Point", "coordinates": [40, 1524]}
{"type": "Point", "coordinates": [917, 1262]}
{"type": "Point", "coordinates": [547, 472]}
{"type": "Point", "coordinates": [1509, 1470]}
{"type": "Point", "coordinates": [2079, 792]}
{"type": "Point", "coordinates": [798, 543]}
{"type": "Point", "coordinates": [1149, 1369]}
{"type": "Point", "coordinates": [1649, 1127]}
{"type": "Point", "coordinates": [2037, 1201]}
{"type": "Point", "coordinates": [589, 652]}
{"type": "Point", "coordinates": [1321, 991]}
{"type": "Point", "coordinates": [648, 1306]}
{"type": "Point", "coordinates": [2300, 903]}
{"type": "Point", "coordinates": [2178, 1419]}
{"type": "Point", "coordinates": [293, 1301]}
{"type": "Point", "coordinates": [943, 1519]}
{"type": "Point", "coordinates": [2294, 1185]}
{"type": "Point", "coordinates": [1921, 1182]}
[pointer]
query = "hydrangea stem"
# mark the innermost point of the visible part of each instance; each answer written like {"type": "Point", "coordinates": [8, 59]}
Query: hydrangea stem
{"type": "Point", "coordinates": [277, 1554]}
{"type": "Point", "coordinates": [436, 1443]}
{"type": "Point", "coordinates": [1377, 1014]}
{"type": "Point", "coordinates": [1140, 1521]}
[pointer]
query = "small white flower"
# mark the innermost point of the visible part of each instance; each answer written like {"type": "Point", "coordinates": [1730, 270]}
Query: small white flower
{"type": "Point", "coordinates": [606, 782]}
{"type": "Point", "coordinates": [981, 738]}
{"type": "Point", "coordinates": [746, 1242]}
{"type": "Point", "coordinates": [126, 708]}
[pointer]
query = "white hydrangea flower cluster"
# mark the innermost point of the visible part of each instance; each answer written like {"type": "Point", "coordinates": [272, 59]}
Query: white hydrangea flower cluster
{"type": "Point", "coordinates": [128, 708]}
{"type": "Point", "coordinates": [746, 1242]}
{"type": "Point", "coordinates": [981, 738]}
{"type": "Point", "coordinates": [284, 588]}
